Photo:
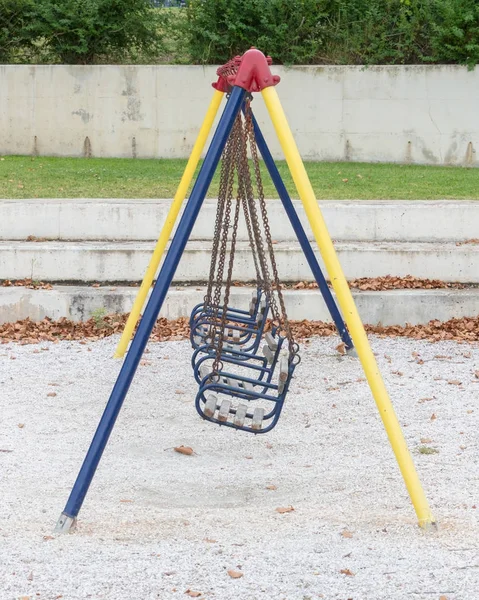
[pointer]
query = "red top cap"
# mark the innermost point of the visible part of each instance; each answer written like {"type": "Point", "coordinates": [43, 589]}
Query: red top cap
{"type": "Point", "coordinates": [250, 71]}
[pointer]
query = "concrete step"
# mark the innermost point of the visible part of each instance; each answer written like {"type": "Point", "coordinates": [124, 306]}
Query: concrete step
{"type": "Point", "coordinates": [348, 220]}
{"type": "Point", "coordinates": [396, 307]}
{"type": "Point", "coordinates": [127, 261]}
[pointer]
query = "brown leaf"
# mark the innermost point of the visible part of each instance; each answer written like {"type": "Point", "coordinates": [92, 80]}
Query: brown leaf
{"type": "Point", "coordinates": [271, 487]}
{"type": "Point", "coordinates": [454, 382]}
{"type": "Point", "coordinates": [433, 417]}
{"type": "Point", "coordinates": [193, 594]}
{"type": "Point", "coordinates": [51, 394]}
{"type": "Point", "coordinates": [347, 572]}
{"type": "Point", "coordinates": [21, 425]}
{"type": "Point", "coordinates": [443, 597]}
{"type": "Point", "coordinates": [235, 574]}
{"type": "Point", "coordinates": [476, 373]}
{"type": "Point", "coordinates": [341, 348]}
{"type": "Point", "coordinates": [346, 533]}
{"type": "Point", "coordinates": [286, 509]}
{"type": "Point", "coordinates": [46, 538]}
{"type": "Point", "coordinates": [184, 450]}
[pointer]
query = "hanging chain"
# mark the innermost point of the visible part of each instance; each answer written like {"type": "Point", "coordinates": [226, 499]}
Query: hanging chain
{"type": "Point", "coordinates": [245, 176]}
{"type": "Point", "coordinates": [259, 184]}
{"type": "Point", "coordinates": [223, 191]}
{"type": "Point", "coordinates": [215, 330]}
{"type": "Point", "coordinates": [235, 162]}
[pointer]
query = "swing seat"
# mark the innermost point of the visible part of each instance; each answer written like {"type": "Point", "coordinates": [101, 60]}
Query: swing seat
{"type": "Point", "coordinates": [241, 326]}
{"type": "Point", "coordinates": [263, 367]}
{"type": "Point", "coordinates": [240, 334]}
{"type": "Point", "coordinates": [203, 310]}
{"type": "Point", "coordinates": [244, 403]}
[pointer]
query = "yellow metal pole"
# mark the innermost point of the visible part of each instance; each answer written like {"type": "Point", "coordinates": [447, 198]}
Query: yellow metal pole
{"type": "Point", "coordinates": [169, 223]}
{"type": "Point", "coordinates": [348, 307]}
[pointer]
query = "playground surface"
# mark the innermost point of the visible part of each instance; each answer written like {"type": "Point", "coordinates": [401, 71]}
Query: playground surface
{"type": "Point", "coordinates": [160, 524]}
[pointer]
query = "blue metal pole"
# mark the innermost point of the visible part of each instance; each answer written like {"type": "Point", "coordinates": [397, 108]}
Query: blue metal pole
{"type": "Point", "coordinates": [152, 310]}
{"type": "Point", "coordinates": [301, 235]}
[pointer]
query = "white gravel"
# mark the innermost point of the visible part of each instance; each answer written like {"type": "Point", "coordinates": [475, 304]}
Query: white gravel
{"type": "Point", "coordinates": [156, 523]}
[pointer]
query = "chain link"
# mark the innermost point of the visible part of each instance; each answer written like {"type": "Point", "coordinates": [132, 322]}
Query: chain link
{"type": "Point", "coordinates": [235, 162]}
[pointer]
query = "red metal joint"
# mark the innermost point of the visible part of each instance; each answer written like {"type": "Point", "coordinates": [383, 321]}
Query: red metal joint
{"type": "Point", "coordinates": [250, 72]}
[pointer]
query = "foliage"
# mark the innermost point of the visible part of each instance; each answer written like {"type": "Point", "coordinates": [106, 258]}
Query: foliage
{"type": "Point", "coordinates": [80, 31]}
{"type": "Point", "coordinates": [455, 32]}
{"type": "Point", "coordinates": [336, 31]}
{"type": "Point", "coordinates": [290, 30]}
{"type": "Point", "coordinates": [212, 31]}
{"type": "Point", "coordinates": [12, 19]}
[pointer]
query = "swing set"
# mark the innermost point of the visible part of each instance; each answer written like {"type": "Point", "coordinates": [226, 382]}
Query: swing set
{"type": "Point", "coordinates": [243, 358]}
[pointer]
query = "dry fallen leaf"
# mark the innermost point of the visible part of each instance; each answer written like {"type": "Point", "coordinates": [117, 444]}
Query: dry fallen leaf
{"type": "Point", "coordinates": [193, 594]}
{"type": "Point", "coordinates": [235, 574]}
{"type": "Point", "coordinates": [477, 374]}
{"type": "Point", "coordinates": [454, 382]}
{"type": "Point", "coordinates": [184, 450]}
{"type": "Point", "coordinates": [48, 537]}
{"type": "Point", "coordinates": [347, 572]}
{"type": "Point", "coordinates": [442, 597]}
{"type": "Point", "coordinates": [433, 417]}
{"type": "Point", "coordinates": [286, 509]}
{"type": "Point", "coordinates": [341, 348]}
{"type": "Point", "coordinates": [21, 425]}
{"type": "Point", "coordinates": [346, 533]}
{"type": "Point", "coordinates": [271, 487]}
{"type": "Point", "coordinates": [51, 394]}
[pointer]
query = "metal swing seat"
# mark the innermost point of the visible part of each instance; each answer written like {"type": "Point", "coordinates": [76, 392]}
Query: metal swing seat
{"type": "Point", "coordinates": [242, 363]}
{"type": "Point", "coordinates": [242, 326]}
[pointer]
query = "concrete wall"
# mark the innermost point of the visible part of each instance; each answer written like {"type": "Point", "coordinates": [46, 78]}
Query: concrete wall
{"type": "Point", "coordinates": [419, 114]}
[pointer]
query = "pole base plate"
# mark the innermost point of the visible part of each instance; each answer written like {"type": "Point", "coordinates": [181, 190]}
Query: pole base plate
{"type": "Point", "coordinates": [65, 524]}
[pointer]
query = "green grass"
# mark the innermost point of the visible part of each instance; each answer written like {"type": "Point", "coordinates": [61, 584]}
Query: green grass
{"type": "Point", "coordinates": [46, 177]}
{"type": "Point", "coordinates": [427, 450]}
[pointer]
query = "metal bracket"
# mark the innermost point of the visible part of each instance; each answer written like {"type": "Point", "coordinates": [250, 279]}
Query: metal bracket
{"type": "Point", "coordinates": [65, 524]}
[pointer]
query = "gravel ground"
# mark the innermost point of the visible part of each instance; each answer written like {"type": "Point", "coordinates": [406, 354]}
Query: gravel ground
{"type": "Point", "coordinates": [158, 524]}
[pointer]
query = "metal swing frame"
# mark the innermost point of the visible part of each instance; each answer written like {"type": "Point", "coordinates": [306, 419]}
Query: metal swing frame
{"type": "Point", "coordinates": [247, 74]}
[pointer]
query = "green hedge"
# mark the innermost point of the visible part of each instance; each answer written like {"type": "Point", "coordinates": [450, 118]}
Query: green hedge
{"type": "Point", "coordinates": [212, 31]}
{"type": "Point", "coordinates": [336, 31]}
{"type": "Point", "coordinates": [79, 31]}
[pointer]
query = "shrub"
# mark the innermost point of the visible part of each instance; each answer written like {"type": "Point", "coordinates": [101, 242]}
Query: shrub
{"type": "Point", "coordinates": [290, 30]}
{"type": "Point", "coordinates": [336, 31]}
{"type": "Point", "coordinates": [13, 16]}
{"type": "Point", "coordinates": [455, 32]}
{"type": "Point", "coordinates": [89, 31]}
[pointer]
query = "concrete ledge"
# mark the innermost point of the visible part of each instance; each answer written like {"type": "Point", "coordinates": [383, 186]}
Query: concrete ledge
{"type": "Point", "coordinates": [396, 307]}
{"type": "Point", "coordinates": [127, 261]}
{"type": "Point", "coordinates": [142, 220]}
